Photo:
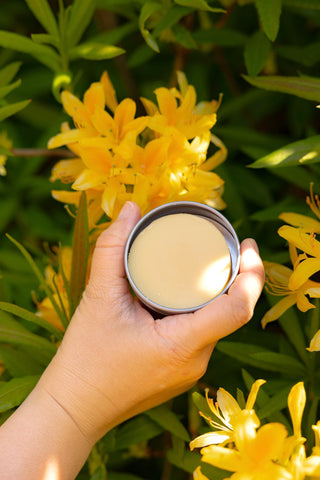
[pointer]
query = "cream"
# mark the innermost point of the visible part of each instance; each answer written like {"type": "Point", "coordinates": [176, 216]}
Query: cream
{"type": "Point", "coordinates": [180, 261]}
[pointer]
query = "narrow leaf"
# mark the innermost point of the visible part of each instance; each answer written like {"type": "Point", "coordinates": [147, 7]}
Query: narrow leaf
{"type": "Point", "coordinates": [19, 363]}
{"type": "Point", "coordinates": [13, 333]}
{"type": "Point", "coordinates": [276, 403]}
{"type": "Point", "coordinates": [45, 39]}
{"type": "Point", "coordinates": [199, 5]}
{"type": "Point", "coordinates": [135, 431]}
{"type": "Point", "coordinates": [80, 17]}
{"type": "Point", "coordinates": [8, 88]}
{"type": "Point", "coordinates": [269, 13]}
{"type": "Point", "coordinates": [256, 53]}
{"type": "Point", "coordinates": [95, 51]}
{"type": "Point", "coordinates": [11, 109]}
{"type": "Point", "coordinates": [167, 419]}
{"type": "Point", "coordinates": [30, 317]}
{"type": "Point", "coordinates": [40, 277]}
{"type": "Point", "coordinates": [43, 13]}
{"type": "Point", "coordinates": [8, 73]}
{"type": "Point", "coordinates": [80, 252]}
{"type": "Point", "coordinates": [147, 11]}
{"type": "Point", "coordinates": [297, 153]}
{"type": "Point", "coordinates": [312, 4]}
{"type": "Point", "coordinates": [304, 87]}
{"type": "Point", "coordinates": [13, 393]}
{"type": "Point", "coordinates": [278, 362]}
{"type": "Point", "coordinates": [42, 53]}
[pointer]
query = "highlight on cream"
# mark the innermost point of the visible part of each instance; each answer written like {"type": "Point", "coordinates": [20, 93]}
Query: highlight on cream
{"type": "Point", "coordinates": [180, 256]}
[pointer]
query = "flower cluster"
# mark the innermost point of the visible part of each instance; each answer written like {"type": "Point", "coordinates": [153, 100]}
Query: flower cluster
{"type": "Point", "coordinates": [241, 445]}
{"type": "Point", "coordinates": [151, 159]}
{"type": "Point", "coordinates": [298, 283]}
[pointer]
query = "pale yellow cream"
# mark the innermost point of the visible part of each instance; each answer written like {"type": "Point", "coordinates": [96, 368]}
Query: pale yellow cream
{"type": "Point", "coordinates": [180, 261]}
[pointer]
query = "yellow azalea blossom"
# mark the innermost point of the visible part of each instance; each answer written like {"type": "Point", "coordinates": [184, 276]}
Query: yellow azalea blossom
{"type": "Point", "coordinates": [256, 452]}
{"type": "Point", "coordinates": [56, 283]}
{"type": "Point", "coordinates": [6, 143]}
{"type": "Point", "coordinates": [315, 343]}
{"type": "Point", "coordinates": [279, 283]}
{"type": "Point", "coordinates": [119, 157]}
{"type": "Point", "coordinates": [309, 263]}
{"type": "Point", "coordinates": [225, 411]}
{"type": "Point", "coordinates": [198, 475]}
{"type": "Point", "coordinates": [305, 222]}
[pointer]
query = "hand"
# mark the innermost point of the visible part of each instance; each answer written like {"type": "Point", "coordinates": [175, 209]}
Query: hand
{"type": "Point", "coordinates": [116, 360]}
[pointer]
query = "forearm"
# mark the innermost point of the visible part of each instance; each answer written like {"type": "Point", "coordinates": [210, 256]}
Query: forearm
{"type": "Point", "coordinates": [40, 441]}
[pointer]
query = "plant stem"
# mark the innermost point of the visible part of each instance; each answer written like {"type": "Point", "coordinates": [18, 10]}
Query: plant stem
{"type": "Point", "coordinates": [41, 152]}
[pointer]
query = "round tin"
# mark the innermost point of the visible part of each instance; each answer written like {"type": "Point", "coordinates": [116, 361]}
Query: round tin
{"type": "Point", "coordinates": [194, 208]}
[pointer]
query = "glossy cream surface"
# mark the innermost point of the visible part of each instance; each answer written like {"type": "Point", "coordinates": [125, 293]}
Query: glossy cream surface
{"type": "Point", "coordinates": [180, 261]}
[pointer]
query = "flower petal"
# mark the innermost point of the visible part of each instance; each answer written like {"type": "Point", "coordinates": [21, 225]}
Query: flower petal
{"type": "Point", "coordinates": [315, 343]}
{"type": "Point", "coordinates": [303, 272]}
{"type": "Point", "coordinates": [278, 309]}
{"type": "Point", "coordinates": [124, 113]}
{"type": "Point", "coordinates": [227, 404]}
{"type": "Point", "coordinates": [301, 240]}
{"type": "Point", "coordinates": [211, 438]}
{"type": "Point", "coordinates": [109, 92]}
{"type": "Point", "coordinates": [296, 404]}
{"type": "Point", "coordinates": [224, 458]}
{"type": "Point", "coordinates": [305, 222]}
{"type": "Point", "coordinates": [94, 98]}
{"type": "Point", "coordinates": [253, 393]}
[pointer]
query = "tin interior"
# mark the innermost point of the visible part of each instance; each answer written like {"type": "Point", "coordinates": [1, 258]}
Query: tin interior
{"type": "Point", "coordinates": [194, 208]}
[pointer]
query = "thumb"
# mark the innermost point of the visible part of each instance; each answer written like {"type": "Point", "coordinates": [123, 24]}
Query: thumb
{"type": "Point", "coordinates": [107, 268]}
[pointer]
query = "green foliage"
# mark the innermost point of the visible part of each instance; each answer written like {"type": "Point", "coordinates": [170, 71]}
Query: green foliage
{"type": "Point", "coordinates": [263, 56]}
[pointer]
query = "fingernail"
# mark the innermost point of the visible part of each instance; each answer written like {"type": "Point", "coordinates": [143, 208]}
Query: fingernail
{"type": "Point", "coordinates": [126, 210]}
{"type": "Point", "coordinates": [254, 244]}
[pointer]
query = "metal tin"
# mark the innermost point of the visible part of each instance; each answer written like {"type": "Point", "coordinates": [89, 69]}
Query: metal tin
{"type": "Point", "coordinates": [193, 208]}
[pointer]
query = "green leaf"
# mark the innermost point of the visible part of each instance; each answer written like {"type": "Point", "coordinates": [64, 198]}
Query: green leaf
{"type": "Point", "coordinates": [136, 431]}
{"type": "Point", "coordinates": [201, 404]}
{"type": "Point", "coordinates": [42, 53]}
{"type": "Point", "coordinates": [11, 109]}
{"type": "Point", "coordinates": [269, 13]}
{"type": "Point", "coordinates": [19, 363]}
{"type": "Point", "coordinates": [260, 357]}
{"type": "Point", "coordinates": [276, 403]}
{"type": "Point", "coordinates": [30, 317]}
{"type": "Point", "coordinates": [80, 253]}
{"type": "Point", "coordinates": [44, 38]}
{"type": "Point", "coordinates": [168, 420]}
{"type": "Point", "coordinates": [13, 393]}
{"type": "Point", "coordinates": [278, 362]}
{"type": "Point", "coordinates": [224, 37]}
{"type": "Point", "coordinates": [184, 37]}
{"type": "Point", "coordinates": [8, 73]}
{"type": "Point", "coordinates": [95, 51]}
{"type": "Point", "coordinates": [290, 324]}
{"type": "Point", "coordinates": [312, 4]}
{"type": "Point", "coordinates": [307, 56]}
{"type": "Point", "coordinates": [13, 333]}
{"type": "Point", "coordinates": [170, 18]}
{"type": "Point", "coordinates": [256, 53]}
{"type": "Point", "coordinates": [122, 476]}
{"type": "Point", "coordinates": [297, 153]}
{"type": "Point", "coordinates": [80, 17]}
{"type": "Point", "coordinates": [304, 87]}
{"type": "Point", "coordinates": [8, 88]}
{"type": "Point", "coordinates": [41, 278]}
{"type": "Point", "coordinates": [43, 13]}
{"type": "Point", "coordinates": [147, 11]}
{"type": "Point", "coordinates": [199, 5]}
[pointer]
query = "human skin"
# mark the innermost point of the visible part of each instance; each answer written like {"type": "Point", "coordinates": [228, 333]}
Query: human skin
{"type": "Point", "coordinates": [116, 360]}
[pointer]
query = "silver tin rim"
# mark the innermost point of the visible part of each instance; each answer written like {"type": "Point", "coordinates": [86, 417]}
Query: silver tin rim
{"type": "Point", "coordinates": [194, 208]}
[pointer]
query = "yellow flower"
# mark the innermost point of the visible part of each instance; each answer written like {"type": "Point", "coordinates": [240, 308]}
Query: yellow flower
{"type": "Point", "coordinates": [225, 411]}
{"type": "Point", "coordinates": [6, 143]}
{"type": "Point", "coordinates": [315, 343]}
{"type": "Point", "coordinates": [118, 159]}
{"type": "Point", "coordinates": [279, 282]}
{"type": "Point", "coordinates": [306, 223]}
{"type": "Point", "coordinates": [256, 452]}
